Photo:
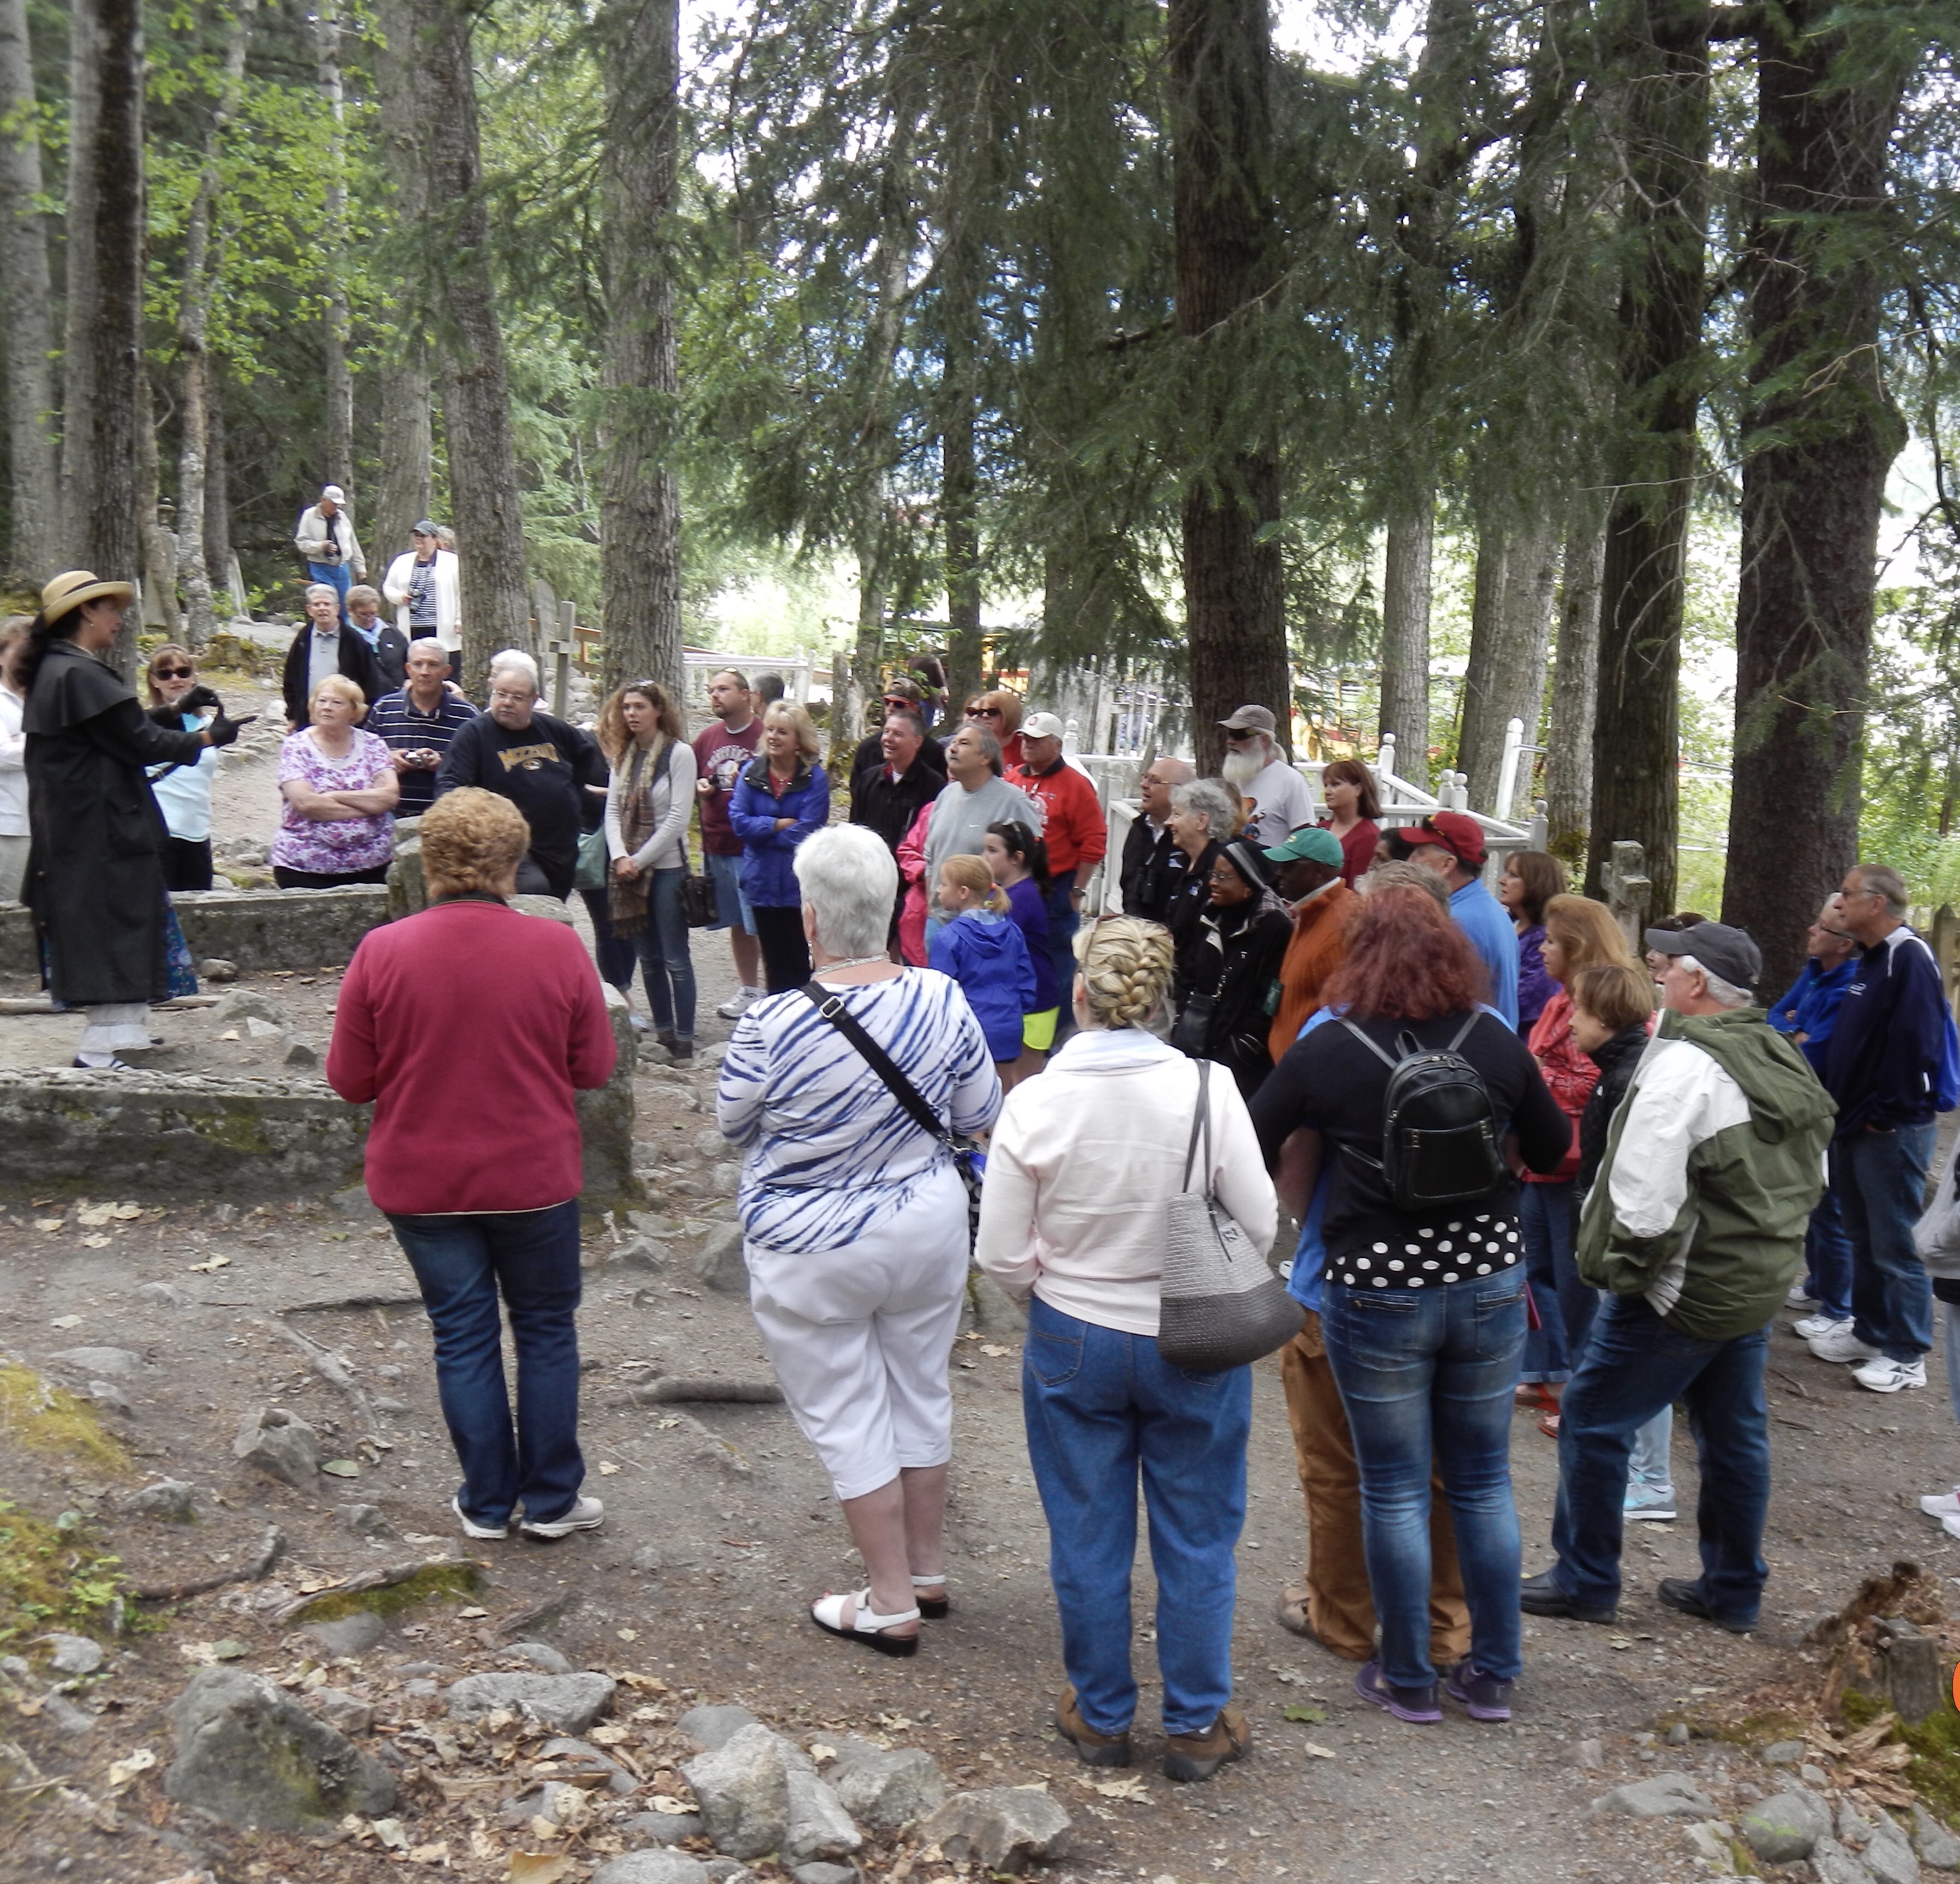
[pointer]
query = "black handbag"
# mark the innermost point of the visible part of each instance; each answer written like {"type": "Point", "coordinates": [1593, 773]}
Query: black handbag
{"type": "Point", "coordinates": [966, 1157]}
{"type": "Point", "coordinates": [698, 901]}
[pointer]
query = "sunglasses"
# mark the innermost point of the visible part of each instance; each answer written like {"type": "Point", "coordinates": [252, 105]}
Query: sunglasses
{"type": "Point", "coordinates": [983, 712]}
{"type": "Point", "coordinates": [175, 673]}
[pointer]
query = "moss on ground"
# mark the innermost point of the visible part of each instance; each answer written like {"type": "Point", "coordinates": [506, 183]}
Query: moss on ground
{"type": "Point", "coordinates": [52, 1575]}
{"type": "Point", "coordinates": [1935, 1772]}
{"type": "Point", "coordinates": [46, 1419]}
{"type": "Point", "coordinates": [434, 1580]}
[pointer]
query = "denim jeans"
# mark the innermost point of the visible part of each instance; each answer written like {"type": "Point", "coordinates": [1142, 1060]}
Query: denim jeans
{"type": "Point", "coordinates": [1428, 1374]}
{"type": "Point", "coordinates": [1950, 1314]}
{"type": "Point", "coordinates": [1635, 1365]}
{"type": "Point", "coordinates": [1100, 1405]}
{"type": "Point", "coordinates": [1650, 1465]}
{"type": "Point", "coordinates": [1549, 1214]}
{"type": "Point", "coordinates": [665, 965]}
{"type": "Point", "coordinates": [1880, 1179]}
{"type": "Point", "coordinates": [1827, 1258]}
{"type": "Point", "coordinates": [614, 953]}
{"type": "Point", "coordinates": [1062, 924]}
{"type": "Point", "coordinates": [337, 577]}
{"type": "Point", "coordinates": [461, 1264]}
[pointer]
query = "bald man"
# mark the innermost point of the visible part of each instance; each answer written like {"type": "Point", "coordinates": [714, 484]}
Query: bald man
{"type": "Point", "coordinates": [1152, 863]}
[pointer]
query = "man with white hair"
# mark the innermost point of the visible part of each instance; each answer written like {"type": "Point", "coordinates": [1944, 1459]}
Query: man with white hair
{"type": "Point", "coordinates": [1152, 865]}
{"type": "Point", "coordinates": [552, 771]}
{"type": "Point", "coordinates": [417, 722]}
{"type": "Point", "coordinates": [326, 645]}
{"type": "Point", "coordinates": [324, 536]}
{"type": "Point", "coordinates": [1276, 794]}
{"type": "Point", "coordinates": [1694, 1226]}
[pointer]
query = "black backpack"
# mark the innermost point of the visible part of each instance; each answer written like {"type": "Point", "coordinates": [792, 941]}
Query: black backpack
{"type": "Point", "coordinates": [1439, 1140]}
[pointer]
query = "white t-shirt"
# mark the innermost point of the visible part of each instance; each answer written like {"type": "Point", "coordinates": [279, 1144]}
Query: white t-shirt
{"type": "Point", "coordinates": [13, 764]}
{"type": "Point", "coordinates": [1283, 804]}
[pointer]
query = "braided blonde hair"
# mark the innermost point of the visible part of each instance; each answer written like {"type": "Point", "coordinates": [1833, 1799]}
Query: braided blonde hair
{"type": "Point", "coordinates": [1126, 964]}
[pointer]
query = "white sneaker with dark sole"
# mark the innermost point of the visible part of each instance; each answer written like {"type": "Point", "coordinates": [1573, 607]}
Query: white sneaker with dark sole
{"type": "Point", "coordinates": [1888, 1376]}
{"type": "Point", "coordinates": [737, 1004]}
{"type": "Point", "coordinates": [586, 1514]}
{"type": "Point", "coordinates": [1812, 1325]}
{"type": "Point", "coordinates": [1942, 1505]}
{"type": "Point", "coordinates": [1839, 1344]}
{"type": "Point", "coordinates": [1799, 1297]}
{"type": "Point", "coordinates": [489, 1532]}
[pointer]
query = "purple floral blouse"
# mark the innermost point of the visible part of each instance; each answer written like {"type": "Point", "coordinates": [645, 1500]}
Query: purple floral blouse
{"type": "Point", "coordinates": [337, 847]}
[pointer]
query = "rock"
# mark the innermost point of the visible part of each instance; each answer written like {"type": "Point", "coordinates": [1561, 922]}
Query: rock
{"type": "Point", "coordinates": [576, 1757]}
{"type": "Point", "coordinates": [172, 1501]}
{"type": "Point", "coordinates": [710, 1145]}
{"type": "Point", "coordinates": [727, 1871]}
{"type": "Point", "coordinates": [995, 1311]}
{"type": "Point", "coordinates": [280, 1445]}
{"type": "Point", "coordinates": [569, 1703]}
{"type": "Point", "coordinates": [646, 1561]}
{"type": "Point", "coordinates": [651, 1867]}
{"type": "Point", "coordinates": [1812, 1775]}
{"type": "Point", "coordinates": [364, 1520]}
{"type": "Point", "coordinates": [251, 1755]}
{"type": "Point", "coordinates": [162, 1295]}
{"type": "Point", "coordinates": [352, 1634]}
{"type": "Point", "coordinates": [718, 1263]}
{"type": "Point", "coordinates": [886, 1788]}
{"type": "Point", "coordinates": [244, 1004]}
{"type": "Point", "coordinates": [1833, 1865]}
{"type": "Point", "coordinates": [1785, 1828]}
{"type": "Point", "coordinates": [1666, 1796]}
{"type": "Point", "coordinates": [711, 1728]}
{"type": "Point", "coordinates": [1001, 1828]}
{"type": "Point", "coordinates": [74, 1654]}
{"type": "Point", "coordinates": [555, 1799]}
{"type": "Point", "coordinates": [820, 1873]}
{"type": "Point", "coordinates": [1784, 1753]}
{"type": "Point", "coordinates": [16, 1667]}
{"type": "Point", "coordinates": [342, 1711]}
{"type": "Point", "coordinates": [542, 1655]}
{"type": "Point", "coordinates": [1677, 1734]}
{"type": "Point", "coordinates": [354, 1202]}
{"type": "Point", "coordinates": [107, 1393]}
{"type": "Point", "coordinates": [66, 1716]}
{"type": "Point", "coordinates": [725, 1179]}
{"type": "Point", "coordinates": [1936, 1845]}
{"type": "Point", "coordinates": [819, 1827]}
{"type": "Point", "coordinates": [1887, 1853]}
{"type": "Point", "coordinates": [743, 1788]}
{"type": "Point", "coordinates": [116, 1364]}
{"type": "Point", "coordinates": [1712, 1840]}
{"type": "Point", "coordinates": [301, 1052]}
{"type": "Point", "coordinates": [663, 1828]}
{"type": "Point", "coordinates": [1591, 1755]}
{"type": "Point", "coordinates": [215, 968]}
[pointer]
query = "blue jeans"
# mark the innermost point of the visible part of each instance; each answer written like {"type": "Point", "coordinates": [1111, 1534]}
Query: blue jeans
{"type": "Point", "coordinates": [1549, 1214]}
{"type": "Point", "coordinates": [1880, 1179]}
{"type": "Point", "coordinates": [1950, 1314]}
{"type": "Point", "coordinates": [1635, 1365]}
{"type": "Point", "coordinates": [461, 1264]}
{"type": "Point", "coordinates": [614, 953]}
{"type": "Point", "coordinates": [665, 964]}
{"type": "Point", "coordinates": [337, 577]}
{"type": "Point", "coordinates": [731, 907]}
{"type": "Point", "coordinates": [1099, 1405]}
{"type": "Point", "coordinates": [1426, 1375]}
{"type": "Point", "coordinates": [1649, 1465]}
{"type": "Point", "coordinates": [1827, 1258]}
{"type": "Point", "coordinates": [1062, 924]}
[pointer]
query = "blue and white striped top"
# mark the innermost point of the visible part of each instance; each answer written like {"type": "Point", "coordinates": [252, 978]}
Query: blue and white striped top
{"type": "Point", "coordinates": [831, 1155]}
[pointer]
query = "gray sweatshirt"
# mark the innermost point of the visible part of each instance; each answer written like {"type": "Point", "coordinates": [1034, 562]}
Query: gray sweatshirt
{"type": "Point", "coordinates": [959, 821]}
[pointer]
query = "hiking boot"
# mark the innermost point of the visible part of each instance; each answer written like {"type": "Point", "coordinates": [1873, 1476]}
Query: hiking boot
{"type": "Point", "coordinates": [1196, 1756]}
{"type": "Point", "coordinates": [1680, 1593]}
{"type": "Point", "coordinates": [1482, 1697]}
{"type": "Point", "coordinates": [1539, 1596]}
{"type": "Point", "coordinates": [1417, 1706]}
{"type": "Point", "coordinates": [1092, 1749]}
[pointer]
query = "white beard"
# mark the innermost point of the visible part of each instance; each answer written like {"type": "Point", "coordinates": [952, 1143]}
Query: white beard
{"type": "Point", "coordinates": [1241, 768]}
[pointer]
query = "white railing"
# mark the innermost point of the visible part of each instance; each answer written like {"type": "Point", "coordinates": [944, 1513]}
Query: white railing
{"type": "Point", "coordinates": [700, 665]}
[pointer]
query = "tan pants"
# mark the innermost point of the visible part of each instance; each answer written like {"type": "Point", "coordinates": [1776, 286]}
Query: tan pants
{"type": "Point", "coordinates": [1338, 1602]}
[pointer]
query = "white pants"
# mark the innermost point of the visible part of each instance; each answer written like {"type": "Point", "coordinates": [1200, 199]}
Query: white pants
{"type": "Point", "coordinates": [13, 867]}
{"type": "Point", "coordinates": [861, 1338]}
{"type": "Point", "coordinates": [110, 1026]}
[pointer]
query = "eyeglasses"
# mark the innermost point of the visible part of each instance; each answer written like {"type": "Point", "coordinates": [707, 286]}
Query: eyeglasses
{"type": "Point", "coordinates": [175, 673]}
{"type": "Point", "coordinates": [983, 712]}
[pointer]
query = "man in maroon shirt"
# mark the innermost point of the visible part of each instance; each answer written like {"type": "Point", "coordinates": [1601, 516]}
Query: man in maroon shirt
{"type": "Point", "coordinates": [721, 750]}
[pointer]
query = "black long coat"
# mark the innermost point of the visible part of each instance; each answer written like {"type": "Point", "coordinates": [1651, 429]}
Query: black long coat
{"type": "Point", "coordinates": [95, 873]}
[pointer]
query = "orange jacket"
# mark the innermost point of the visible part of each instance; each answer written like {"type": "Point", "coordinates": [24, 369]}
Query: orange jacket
{"type": "Point", "coordinates": [1319, 941]}
{"type": "Point", "coordinates": [1570, 1073]}
{"type": "Point", "coordinates": [1075, 832]}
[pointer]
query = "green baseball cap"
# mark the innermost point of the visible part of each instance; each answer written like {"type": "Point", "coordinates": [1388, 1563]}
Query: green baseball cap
{"type": "Point", "coordinates": [1317, 846]}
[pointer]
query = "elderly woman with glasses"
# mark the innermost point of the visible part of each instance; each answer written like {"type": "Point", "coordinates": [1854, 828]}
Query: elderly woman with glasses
{"type": "Point", "coordinates": [182, 792]}
{"type": "Point", "coordinates": [337, 825]}
{"type": "Point", "coordinates": [855, 1221]}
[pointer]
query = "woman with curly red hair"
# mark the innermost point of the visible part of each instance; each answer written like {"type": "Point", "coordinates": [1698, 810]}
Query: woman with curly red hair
{"type": "Point", "coordinates": [1422, 1311]}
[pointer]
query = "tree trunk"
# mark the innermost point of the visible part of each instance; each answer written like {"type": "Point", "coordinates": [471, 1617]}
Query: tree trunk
{"type": "Point", "coordinates": [160, 545]}
{"type": "Point", "coordinates": [407, 479]}
{"type": "Point", "coordinates": [959, 486]}
{"type": "Point", "coordinates": [1635, 733]}
{"type": "Point", "coordinates": [1568, 762]}
{"type": "Point", "coordinates": [200, 274]}
{"type": "Point", "coordinates": [1226, 258]}
{"type": "Point", "coordinates": [476, 397]}
{"type": "Point", "coordinates": [26, 306]}
{"type": "Point", "coordinates": [1405, 588]}
{"type": "Point", "coordinates": [339, 387]}
{"type": "Point", "coordinates": [639, 506]}
{"type": "Point", "coordinates": [1510, 631]}
{"type": "Point", "coordinates": [1487, 635]}
{"type": "Point", "coordinates": [86, 47]}
{"type": "Point", "coordinates": [217, 490]}
{"type": "Point", "coordinates": [1819, 434]}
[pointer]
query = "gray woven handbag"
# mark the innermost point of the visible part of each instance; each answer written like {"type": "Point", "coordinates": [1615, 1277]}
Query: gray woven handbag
{"type": "Point", "coordinates": [1221, 1306]}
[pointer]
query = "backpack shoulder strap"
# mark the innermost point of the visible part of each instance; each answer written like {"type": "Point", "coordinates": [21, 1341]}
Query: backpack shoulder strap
{"type": "Point", "coordinates": [1385, 1059]}
{"type": "Point", "coordinates": [833, 1008]}
{"type": "Point", "coordinates": [1463, 1032]}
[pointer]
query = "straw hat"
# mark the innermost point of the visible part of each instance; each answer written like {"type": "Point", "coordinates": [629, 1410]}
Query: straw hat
{"type": "Point", "coordinates": [72, 587]}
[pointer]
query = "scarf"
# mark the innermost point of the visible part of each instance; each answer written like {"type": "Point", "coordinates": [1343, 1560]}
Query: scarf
{"type": "Point", "coordinates": [627, 897]}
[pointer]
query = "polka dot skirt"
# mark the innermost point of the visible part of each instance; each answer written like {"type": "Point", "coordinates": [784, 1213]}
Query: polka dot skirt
{"type": "Point", "coordinates": [1448, 1252]}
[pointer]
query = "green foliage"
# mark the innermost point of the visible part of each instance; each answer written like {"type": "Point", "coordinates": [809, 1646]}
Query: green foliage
{"type": "Point", "coordinates": [52, 1575]}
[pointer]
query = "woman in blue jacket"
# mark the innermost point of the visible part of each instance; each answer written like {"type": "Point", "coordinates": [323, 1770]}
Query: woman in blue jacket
{"type": "Point", "coordinates": [782, 796]}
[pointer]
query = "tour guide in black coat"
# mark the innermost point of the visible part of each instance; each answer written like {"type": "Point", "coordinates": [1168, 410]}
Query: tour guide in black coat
{"type": "Point", "coordinates": [95, 872]}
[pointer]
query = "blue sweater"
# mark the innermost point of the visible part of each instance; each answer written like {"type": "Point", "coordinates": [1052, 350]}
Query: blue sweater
{"type": "Point", "coordinates": [1481, 917]}
{"type": "Point", "coordinates": [986, 955]}
{"type": "Point", "coordinates": [1883, 1065]}
{"type": "Point", "coordinates": [768, 877]}
{"type": "Point", "coordinates": [1811, 1008]}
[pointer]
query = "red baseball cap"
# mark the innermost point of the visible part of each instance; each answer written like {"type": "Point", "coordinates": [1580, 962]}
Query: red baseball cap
{"type": "Point", "coordinates": [1457, 832]}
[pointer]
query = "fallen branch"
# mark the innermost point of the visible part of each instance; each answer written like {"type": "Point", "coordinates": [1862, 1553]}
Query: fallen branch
{"type": "Point", "coordinates": [749, 1392]}
{"type": "Point", "coordinates": [384, 1578]}
{"type": "Point", "coordinates": [270, 1549]}
{"type": "Point", "coordinates": [329, 1367]}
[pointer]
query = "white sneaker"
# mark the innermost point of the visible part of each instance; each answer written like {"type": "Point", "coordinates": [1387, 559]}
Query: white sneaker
{"type": "Point", "coordinates": [586, 1514]}
{"type": "Point", "coordinates": [472, 1529]}
{"type": "Point", "coordinates": [1887, 1376]}
{"type": "Point", "coordinates": [1951, 1526]}
{"type": "Point", "coordinates": [738, 1004]}
{"type": "Point", "coordinates": [1812, 1325]}
{"type": "Point", "coordinates": [1799, 1297]}
{"type": "Point", "coordinates": [1837, 1343]}
{"type": "Point", "coordinates": [1942, 1505]}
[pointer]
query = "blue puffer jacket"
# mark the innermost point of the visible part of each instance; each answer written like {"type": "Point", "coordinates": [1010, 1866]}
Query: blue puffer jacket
{"type": "Point", "coordinates": [768, 880]}
{"type": "Point", "coordinates": [987, 955]}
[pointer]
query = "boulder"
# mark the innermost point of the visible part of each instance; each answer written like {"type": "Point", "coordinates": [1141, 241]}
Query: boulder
{"type": "Point", "coordinates": [569, 1703]}
{"type": "Point", "coordinates": [709, 1728]}
{"type": "Point", "coordinates": [1785, 1753]}
{"type": "Point", "coordinates": [542, 1655]}
{"type": "Point", "coordinates": [170, 1500]}
{"type": "Point", "coordinates": [1666, 1796]}
{"type": "Point", "coordinates": [886, 1788]}
{"type": "Point", "coordinates": [719, 1264]}
{"type": "Point", "coordinates": [1887, 1852]}
{"type": "Point", "coordinates": [251, 1755]}
{"type": "Point", "coordinates": [352, 1634]}
{"type": "Point", "coordinates": [663, 1828]}
{"type": "Point", "coordinates": [162, 1295]}
{"type": "Point", "coordinates": [115, 1364]}
{"type": "Point", "coordinates": [819, 1827]}
{"type": "Point", "coordinates": [1936, 1845]}
{"type": "Point", "coordinates": [743, 1788]}
{"type": "Point", "coordinates": [999, 1828]}
{"type": "Point", "coordinates": [652, 1867]}
{"type": "Point", "coordinates": [1783, 1829]}
{"type": "Point", "coordinates": [1830, 1864]}
{"type": "Point", "coordinates": [364, 1520]}
{"type": "Point", "coordinates": [280, 1445]}
{"type": "Point", "coordinates": [1711, 1841]}
{"type": "Point", "coordinates": [74, 1654]}
{"type": "Point", "coordinates": [243, 1004]}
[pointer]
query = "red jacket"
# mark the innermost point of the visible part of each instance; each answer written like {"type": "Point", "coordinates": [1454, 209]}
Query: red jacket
{"type": "Point", "coordinates": [1074, 832]}
{"type": "Point", "coordinates": [1570, 1073]}
{"type": "Point", "coordinates": [468, 1026]}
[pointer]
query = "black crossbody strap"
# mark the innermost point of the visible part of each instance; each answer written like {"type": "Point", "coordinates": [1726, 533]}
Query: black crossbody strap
{"type": "Point", "coordinates": [833, 1008]}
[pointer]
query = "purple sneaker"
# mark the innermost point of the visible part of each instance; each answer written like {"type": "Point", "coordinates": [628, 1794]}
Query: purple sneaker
{"type": "Point", "coordinates": [1484, 1698]}
{"type": "Point", "coordinates": [1415, 1705]}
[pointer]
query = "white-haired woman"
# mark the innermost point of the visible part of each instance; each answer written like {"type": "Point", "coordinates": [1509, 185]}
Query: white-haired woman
{"type": "Point", "coordinates": [336, 825]}
{"type": "Point", "coordinates": [1072, 1223]}
{"type": "Point", "coordinates": [1203, 820]}
{"type": "Point", "coordinates": [854, 1222]}
{"type": "Point", "coordinates": [550, 770]}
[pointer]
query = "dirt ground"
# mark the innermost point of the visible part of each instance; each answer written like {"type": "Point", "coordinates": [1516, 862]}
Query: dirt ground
{"type": "Point", "coordinates": [719, 1528]}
